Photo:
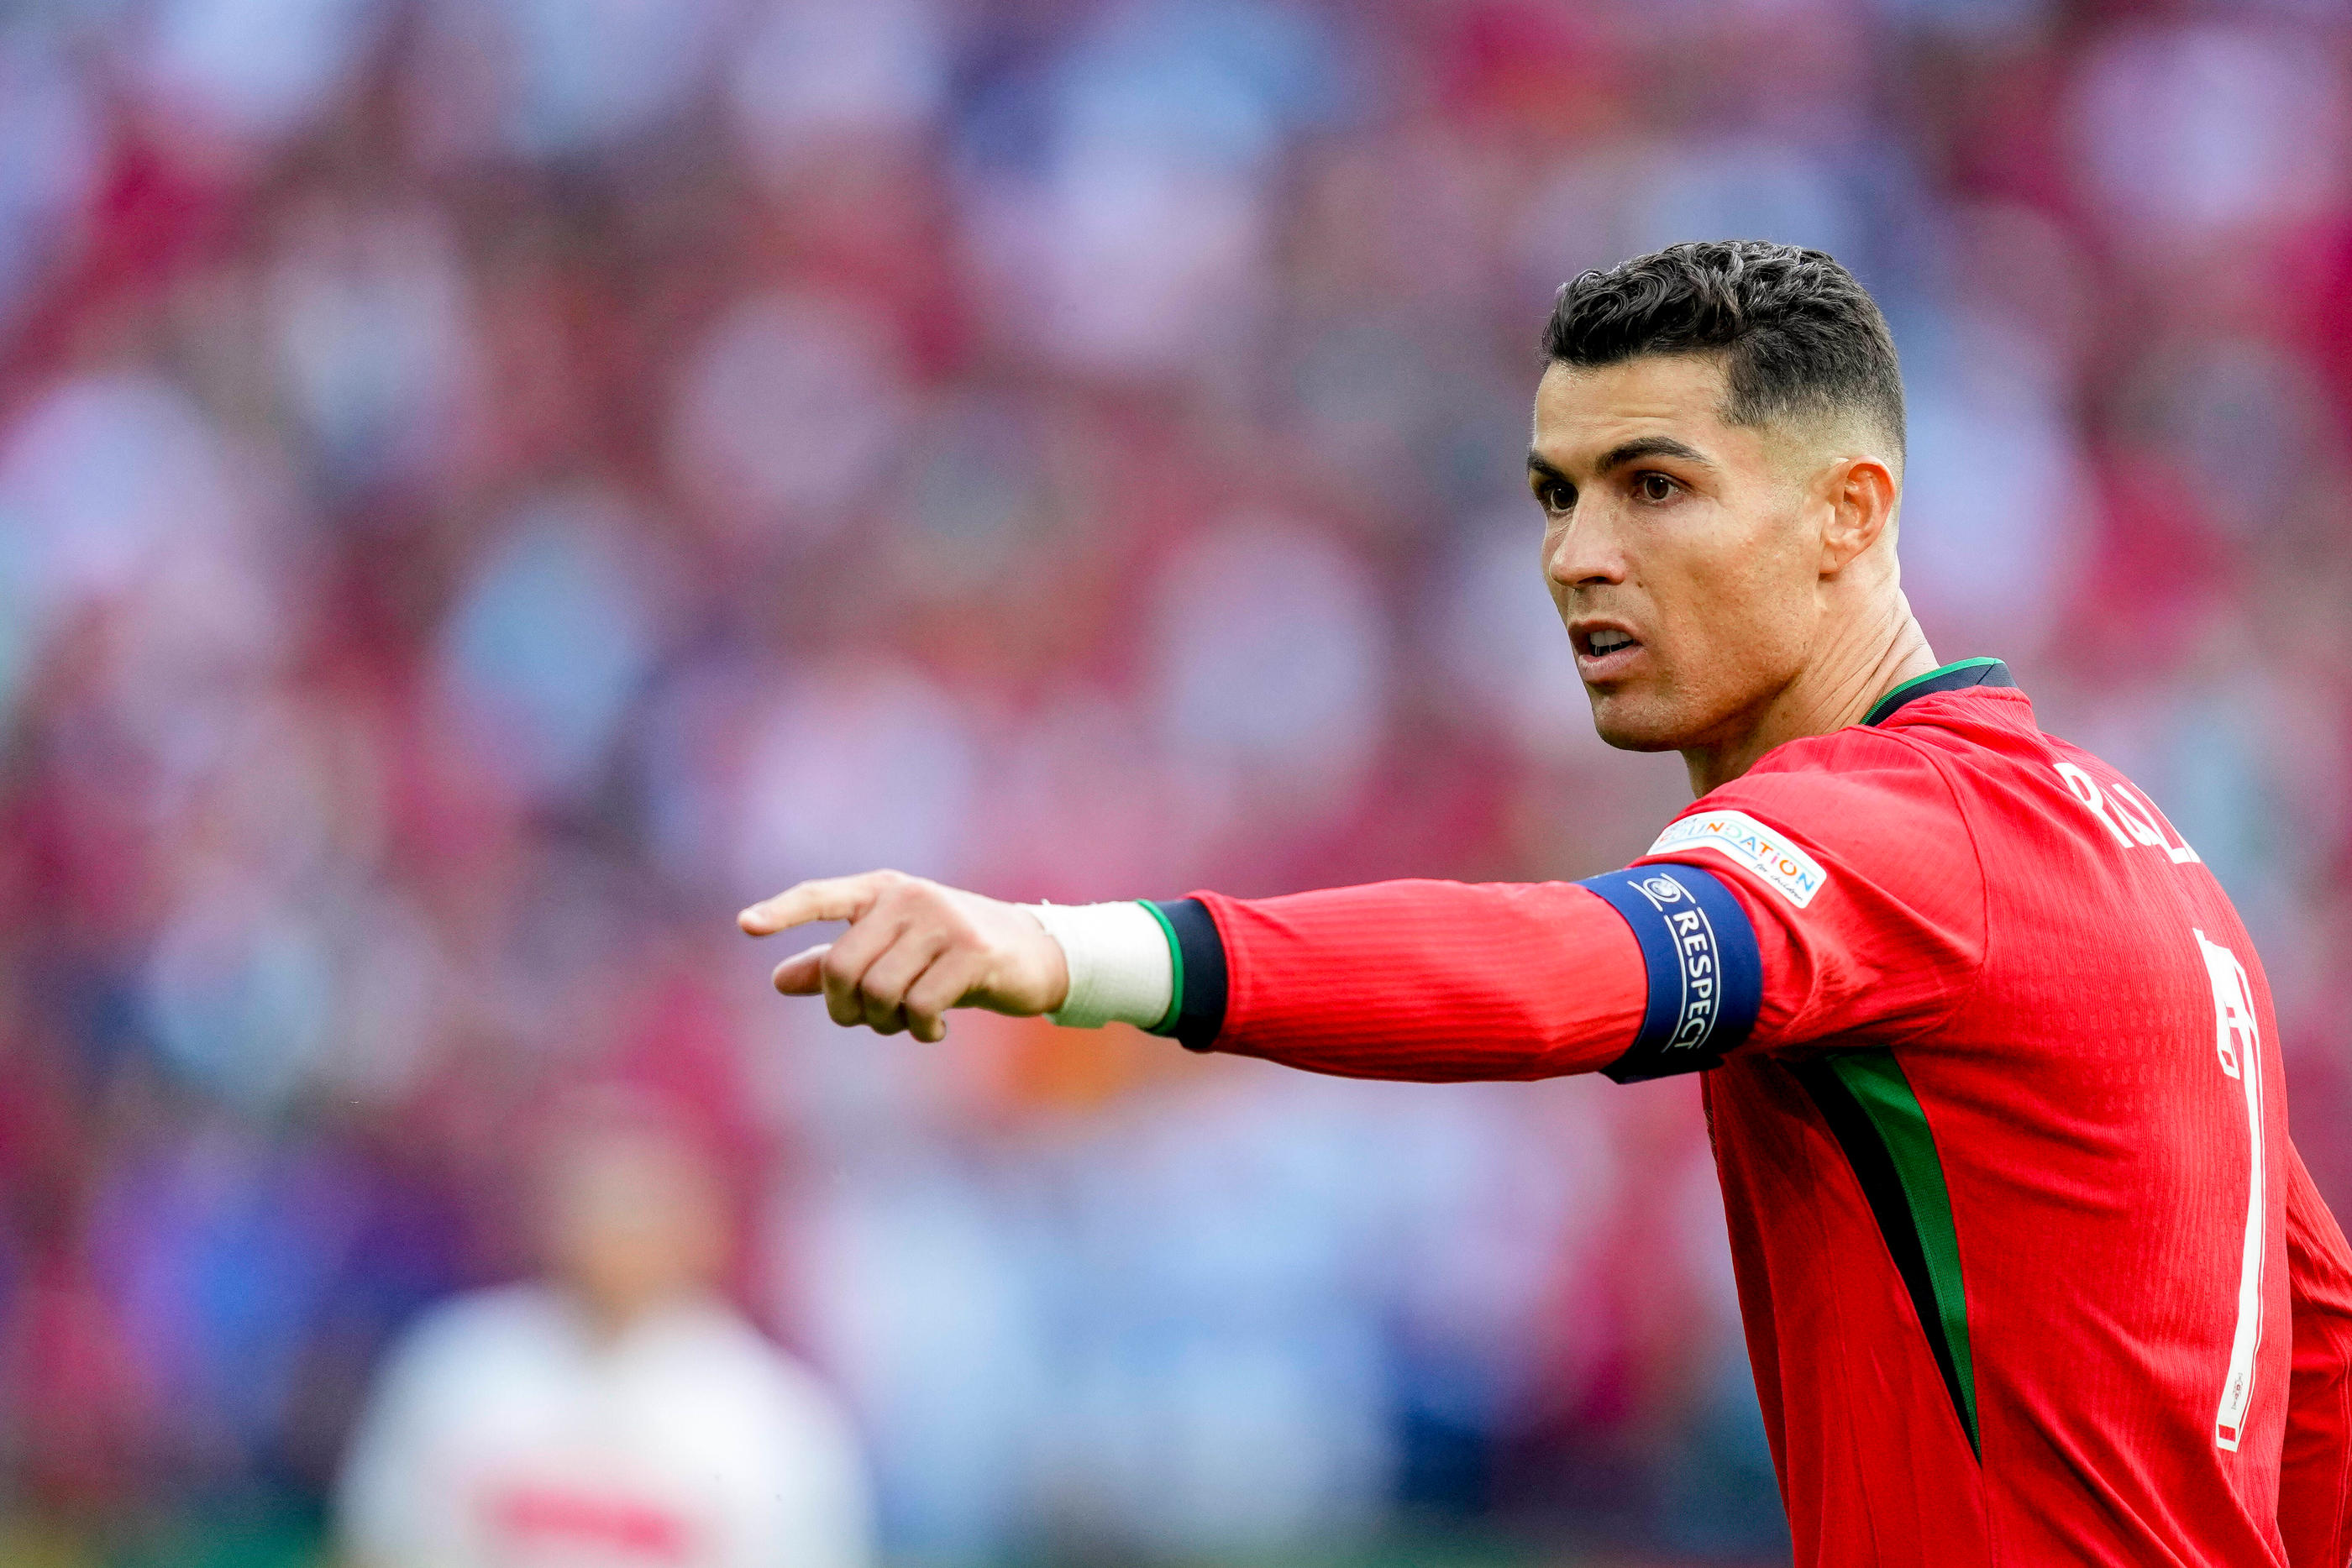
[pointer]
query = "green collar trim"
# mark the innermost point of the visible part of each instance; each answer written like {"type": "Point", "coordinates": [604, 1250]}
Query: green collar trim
{"type": "Point", "coordinates": [1951, 677]}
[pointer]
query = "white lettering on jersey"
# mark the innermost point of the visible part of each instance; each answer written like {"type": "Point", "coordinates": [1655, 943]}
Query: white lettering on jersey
{"type": "Point", "coordinates": [2148, 827]}
{"type": "Point", "coordinates": [2128, 820]}
{"type": "Point", "coordinates": [1745, 841]}
{"type": "Point", "coordinates": [2238, 1041]}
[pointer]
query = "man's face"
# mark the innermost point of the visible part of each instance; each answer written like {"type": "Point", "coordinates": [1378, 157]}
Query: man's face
{"type": "Point", "coordinates": [1681, 550]}
{"type": "Point", "coordinates": [634, 1220]}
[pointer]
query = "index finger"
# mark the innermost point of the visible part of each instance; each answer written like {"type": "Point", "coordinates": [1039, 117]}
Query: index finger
{"type": "Point", "coordinates": [825, 898]}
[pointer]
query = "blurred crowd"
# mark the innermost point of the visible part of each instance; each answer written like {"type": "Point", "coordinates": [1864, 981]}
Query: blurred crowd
{"type": "Point", "coordinates": [489, 487]}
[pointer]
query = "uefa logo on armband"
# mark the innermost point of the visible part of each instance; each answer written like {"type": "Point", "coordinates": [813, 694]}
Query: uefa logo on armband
{"type": "Point", "coordinates": [1662, 890]}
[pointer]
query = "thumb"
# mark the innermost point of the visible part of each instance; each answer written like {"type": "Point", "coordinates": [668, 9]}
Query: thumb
{"type": "Point", "coordinates": [801, 974]}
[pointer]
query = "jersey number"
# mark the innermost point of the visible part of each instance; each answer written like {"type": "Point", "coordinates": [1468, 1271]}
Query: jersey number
{"type": "Point", "coordinates": [2132, 822]}
{"type": "Point", "coordinates": [2238, 1044]}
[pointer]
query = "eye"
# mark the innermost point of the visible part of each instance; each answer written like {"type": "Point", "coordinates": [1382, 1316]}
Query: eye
{"type": "Point", "coordinates": [1653, 486]}
{"type": "Point", "coordinates": [1554, 494]}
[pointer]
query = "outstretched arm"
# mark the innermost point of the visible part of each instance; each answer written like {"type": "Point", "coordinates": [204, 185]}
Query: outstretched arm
{"type": "Point", "coordinates": [1406, 979]}
{"type": "Point", "coordinates": [2315, 1470]}
{"type": "Point", "coordinates": [1736, 929]}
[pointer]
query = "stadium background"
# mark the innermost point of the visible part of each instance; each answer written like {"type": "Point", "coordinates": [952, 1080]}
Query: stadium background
{"type": "Point", "coordinates": [486, 487]}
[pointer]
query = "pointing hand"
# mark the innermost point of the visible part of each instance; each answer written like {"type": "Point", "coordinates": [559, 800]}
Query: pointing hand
{"type": "Point", "coordinates": [914, 950]}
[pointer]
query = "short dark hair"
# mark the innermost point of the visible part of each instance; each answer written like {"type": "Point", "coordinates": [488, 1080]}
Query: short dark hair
{"type": "Point", "coordinates": [1798, 334]}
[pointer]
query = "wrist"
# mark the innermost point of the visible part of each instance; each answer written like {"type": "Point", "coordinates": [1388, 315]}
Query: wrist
{"type": "Point", "coordinates": [1118, 965]}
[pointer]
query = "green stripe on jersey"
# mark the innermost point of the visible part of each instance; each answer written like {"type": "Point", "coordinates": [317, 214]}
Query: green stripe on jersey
{"type": "Point", "coordinates": [1176, 962]}
{"type": "Point", "coordinates": [1877, 1081]}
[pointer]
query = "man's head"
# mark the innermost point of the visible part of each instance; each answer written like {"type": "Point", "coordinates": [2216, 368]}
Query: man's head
{"type": "Point", "coordinates": [633, 1217]}
{"type": "Point", "coordinates": [1718, 451]}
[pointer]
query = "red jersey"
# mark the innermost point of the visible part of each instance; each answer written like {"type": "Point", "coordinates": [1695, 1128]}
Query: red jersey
{"type": "Point", "coordinates": [2030, 1271]}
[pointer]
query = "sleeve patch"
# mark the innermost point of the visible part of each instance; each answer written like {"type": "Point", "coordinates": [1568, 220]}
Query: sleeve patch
{"type": "Point", "coordinates": [1750, 845]}
{"type": "Point", "coordinates": [1706, 979]}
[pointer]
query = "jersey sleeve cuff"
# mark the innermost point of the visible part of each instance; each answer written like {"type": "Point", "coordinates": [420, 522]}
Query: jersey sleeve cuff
{"type": "Point", "coordinates": [1196, 1015]}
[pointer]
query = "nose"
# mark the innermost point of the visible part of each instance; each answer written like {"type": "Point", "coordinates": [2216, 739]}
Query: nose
{"type": "Point", "coordinates": [1579, 553]}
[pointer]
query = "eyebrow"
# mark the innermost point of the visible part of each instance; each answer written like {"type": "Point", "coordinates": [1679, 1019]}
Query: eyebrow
{"type": "Point", "coordinates": [1626, 452]}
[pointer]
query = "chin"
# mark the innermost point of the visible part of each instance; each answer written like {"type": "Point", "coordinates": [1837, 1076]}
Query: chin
{"type": "Point", "coordinates": [1630, 724]}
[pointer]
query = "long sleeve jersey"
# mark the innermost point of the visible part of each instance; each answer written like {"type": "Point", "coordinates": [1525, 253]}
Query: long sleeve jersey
{"type": "Point", "coordinates": [2029, 1268]}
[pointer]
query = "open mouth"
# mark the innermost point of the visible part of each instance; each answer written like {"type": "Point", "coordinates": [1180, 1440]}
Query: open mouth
{"type": "Point", "coordinates": [1604, 651]}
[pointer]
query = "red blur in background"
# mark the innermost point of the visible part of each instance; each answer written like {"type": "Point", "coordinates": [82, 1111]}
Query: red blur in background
{"type": "Point", "coordinates": [489, 487]}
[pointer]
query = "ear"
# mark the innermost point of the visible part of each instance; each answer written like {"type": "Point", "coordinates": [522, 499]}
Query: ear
{"type": "Point", "coordinates": [1860, 495]}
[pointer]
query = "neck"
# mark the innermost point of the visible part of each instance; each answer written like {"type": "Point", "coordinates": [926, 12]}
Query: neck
{"type": "Point", "coordinates": [610, 1316]}
{"type": "Point", "coordinates": [1834, 690]}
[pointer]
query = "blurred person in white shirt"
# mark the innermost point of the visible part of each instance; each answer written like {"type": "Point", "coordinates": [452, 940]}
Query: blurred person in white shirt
{"type": "Point", "coordinates": [617, 1412]}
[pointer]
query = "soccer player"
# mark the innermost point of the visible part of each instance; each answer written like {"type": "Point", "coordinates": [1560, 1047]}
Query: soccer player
{"type": "Point", "coordinates": [616, 1411]}
{"type": "Point", "coordinates": [2030, 1271]}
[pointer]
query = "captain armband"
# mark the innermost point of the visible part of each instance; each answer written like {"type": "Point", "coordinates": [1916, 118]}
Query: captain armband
{"type": "Point", "coordinates": [1706, 979]}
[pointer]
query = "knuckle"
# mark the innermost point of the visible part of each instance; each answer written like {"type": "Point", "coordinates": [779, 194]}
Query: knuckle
{"type": "Point", "coordinates": [920, 893]}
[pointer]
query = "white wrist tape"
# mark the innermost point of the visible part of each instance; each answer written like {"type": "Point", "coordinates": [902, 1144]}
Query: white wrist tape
{"type": "Point", "coordinates": [1120, 968]}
